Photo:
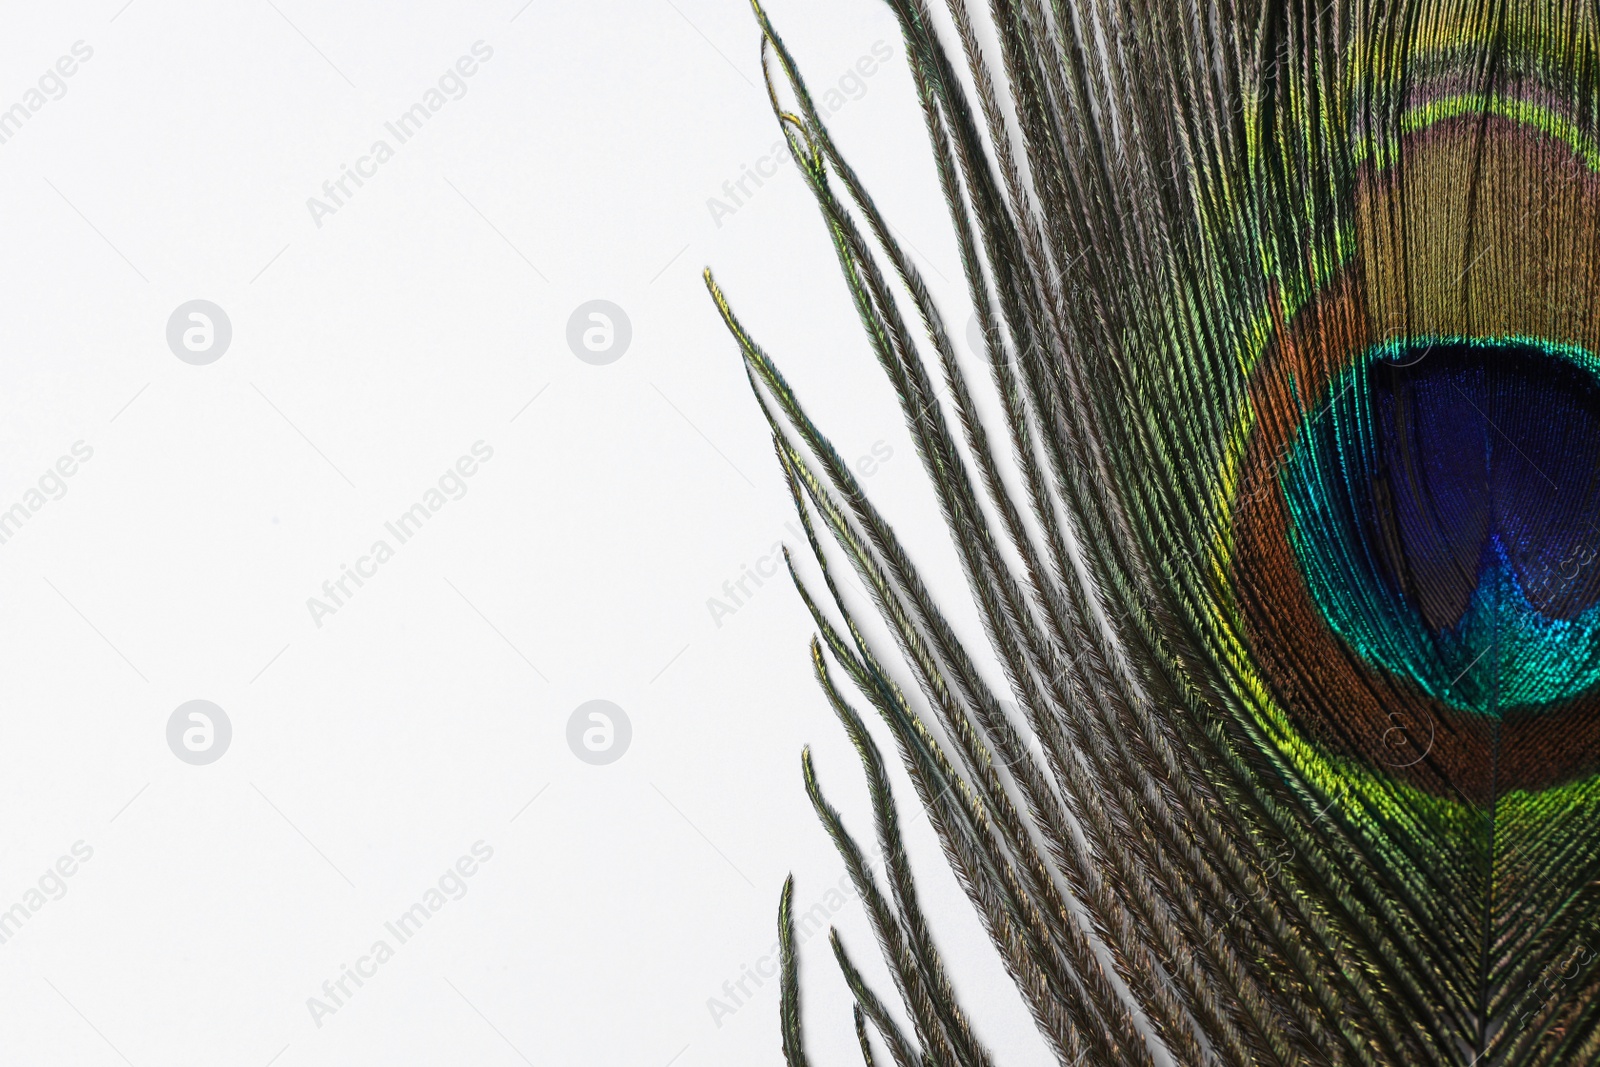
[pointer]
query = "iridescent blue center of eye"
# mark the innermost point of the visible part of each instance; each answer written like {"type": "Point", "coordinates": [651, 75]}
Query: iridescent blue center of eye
{"type": "Point", "coordinates": [1444, 509]}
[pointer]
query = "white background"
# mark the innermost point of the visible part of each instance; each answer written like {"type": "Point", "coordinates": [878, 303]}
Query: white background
{"type": "Point", "coordinates": [370, 352]}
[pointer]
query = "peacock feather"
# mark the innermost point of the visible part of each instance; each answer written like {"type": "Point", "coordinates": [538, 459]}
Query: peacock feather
{"type": "Point", "coordinates": [1288, 545]}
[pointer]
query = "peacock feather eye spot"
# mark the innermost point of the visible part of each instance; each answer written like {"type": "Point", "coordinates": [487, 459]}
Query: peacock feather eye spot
{"type": "Point", "coordinates": [1415, 543]}
{"type": "Point", "coordinates": [1438, 508]}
